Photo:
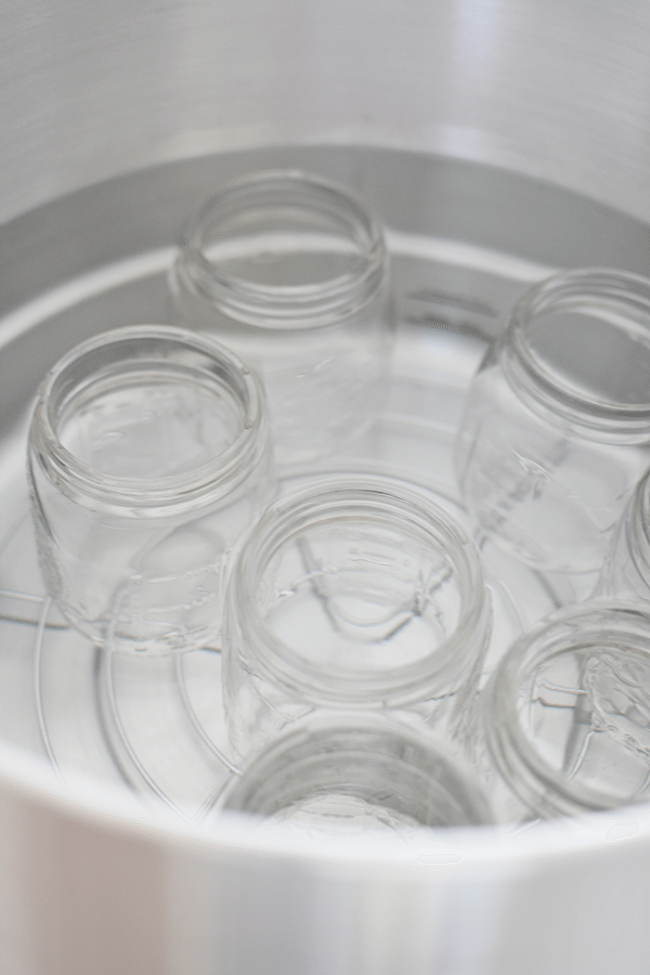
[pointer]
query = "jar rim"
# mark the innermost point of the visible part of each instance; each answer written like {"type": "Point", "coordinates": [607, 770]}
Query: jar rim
{"type": "Point", "coordinates": [596, 624]}
{"type": "Point", "coordinates": [292, 306]}
{"type": "Point", "coordinates": [216, 477]}
{"type": "Point", "coordinates": [385, 500]}
{"type": "Point", "coordinates": [622, 292]}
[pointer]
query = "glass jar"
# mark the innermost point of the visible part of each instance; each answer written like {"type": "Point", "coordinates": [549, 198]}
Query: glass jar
{"type": "Point", "coordinates": [292, 274]}
{"type": "Point", "coordinates": [344, 773]}
{"type": "Point", "coordinates": [356, 592]}
{"type": "Point", "coordinates": [567, 712]}
{"type": "Point", "coordinates": [556, 430]}
{"type": "Point", "coordinates": [626, 572]}
{"type": "Point", "coordinates": [149, 454]}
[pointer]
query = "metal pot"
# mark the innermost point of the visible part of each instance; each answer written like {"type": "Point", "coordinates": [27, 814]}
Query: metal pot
{"type": "Point", "coordinates": [510, 128]}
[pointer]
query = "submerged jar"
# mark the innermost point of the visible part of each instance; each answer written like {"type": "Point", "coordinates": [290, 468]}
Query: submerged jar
{"type": "Point", "coordinates": [567, 712]}
{"type": "Point", "coordinates": [292, 273]}
{"type": "Point", "coordinates": [556, 430]}
{"type": "Point", "coordinates": [343, 773]}
{"type": "Point", "coordinates": [149, 453]}
{"type": "Point", "coordinates": [356, 592]}
{"type": "Point", "coordinates": [626, 572]}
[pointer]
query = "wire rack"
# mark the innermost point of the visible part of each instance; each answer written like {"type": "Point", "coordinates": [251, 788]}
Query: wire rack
{"type": "Point", "coordinates": [134, 720]}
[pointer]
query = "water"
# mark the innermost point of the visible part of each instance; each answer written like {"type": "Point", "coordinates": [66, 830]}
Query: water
{"type": "Point", "coordinates": [457, 272]}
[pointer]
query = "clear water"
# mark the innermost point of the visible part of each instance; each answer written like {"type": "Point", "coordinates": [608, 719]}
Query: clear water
{"type": "Point", "coordinates": [158, 724]}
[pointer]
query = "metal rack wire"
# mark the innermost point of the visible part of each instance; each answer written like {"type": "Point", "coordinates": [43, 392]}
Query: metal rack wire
{"type": "Point", "coordinates": [130, 765]}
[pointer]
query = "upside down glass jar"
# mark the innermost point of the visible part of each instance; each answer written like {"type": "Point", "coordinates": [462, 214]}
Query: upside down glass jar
{"type": "Point", "coordinates": [292, 273]}
{"type": "Point", "coordinates": [343, 773]}
{"type": "Point", "coordinates": [567, 714]}
{"type": "Point", "coordinates": [556, 430]}
{"type": "Point", "coordinates": [357, 593]}
{"type": "Point", "coordinates": [149, 454]}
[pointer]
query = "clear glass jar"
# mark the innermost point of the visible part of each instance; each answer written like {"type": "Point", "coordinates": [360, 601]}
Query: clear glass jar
{"type": "Point", "coordinates": [567, 712]}
{"type": "Point", "coordinates": [292, 274]}
{"type": "Point", "coordinates": [345, 773]}
{"type": "Point", "coordinates": [626, 572]}
{"type": "Point", "coordinates": [356, 592]}
{"type": "Point", "coordinates": [149, 453]}
{"type": "Point", "coordinates": [556, 431]}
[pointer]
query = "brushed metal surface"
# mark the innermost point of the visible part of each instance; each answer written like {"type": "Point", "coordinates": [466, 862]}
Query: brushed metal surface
{"type": "Point", "coordinates": [553, 89]}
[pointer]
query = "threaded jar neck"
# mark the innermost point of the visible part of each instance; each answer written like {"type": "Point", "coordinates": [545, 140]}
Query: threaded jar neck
{"type": "Point", "coordinates": [577, 348]}
{"type": "Point", "coordinates": [282, 250]}
{"type": "Point", "coordinates": [145, 359]}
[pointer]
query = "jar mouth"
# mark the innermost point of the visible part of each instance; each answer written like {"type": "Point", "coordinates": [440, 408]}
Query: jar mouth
{"type": "Point", "coordinates": [283, 250]}
{"type": "Point", "coordinates": [356, 591]}
{"type": "Point", "coordinates": [371, 759]}
{"type": "Point", "coordinates": [579, 345]}
{"type": "Point", "coordinates": [147, 358]}
{"type": "Point", "coordinates": [567, 711]}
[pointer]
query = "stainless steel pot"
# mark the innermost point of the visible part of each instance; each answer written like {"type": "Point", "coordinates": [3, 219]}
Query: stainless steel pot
{"type": "Point", "coordinates": [517, 127]}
